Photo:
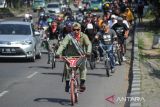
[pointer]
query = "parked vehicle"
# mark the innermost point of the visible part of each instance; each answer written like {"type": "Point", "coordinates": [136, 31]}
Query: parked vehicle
{"type": "Point", "coordinates": [19, 40]}
{"type": "Point", "coordinates": [38, 4]}
{"type": "Point", "coordinates": [95, 5]}
{"type": "Point", "coordinates": [3, 4]}
{"type": "Point", "coordinates": [53, 7]}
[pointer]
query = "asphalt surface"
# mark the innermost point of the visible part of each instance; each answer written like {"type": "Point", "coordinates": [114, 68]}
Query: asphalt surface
{"type": "Point", "coordinates": [26, 84]}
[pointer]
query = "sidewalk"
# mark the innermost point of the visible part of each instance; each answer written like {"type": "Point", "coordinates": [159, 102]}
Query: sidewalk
{"type": "Point", "coordinates": [150, 68]}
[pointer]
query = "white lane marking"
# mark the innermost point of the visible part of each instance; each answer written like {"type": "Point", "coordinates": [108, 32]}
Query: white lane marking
{"type": "Point", "coordinates": [30, 76]}
{"type": "Point", "coordinates": [3, 93]}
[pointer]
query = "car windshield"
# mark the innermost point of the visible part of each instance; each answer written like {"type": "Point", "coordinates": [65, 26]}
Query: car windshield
{"type": "Point", "coordinates": [52, 6]}
{"type": "Point", "coordinates": [14, 29]}
{"type": "Point", "coordinates": [38, 2]}
{"type": "Point", "coordinates": [95, 1]}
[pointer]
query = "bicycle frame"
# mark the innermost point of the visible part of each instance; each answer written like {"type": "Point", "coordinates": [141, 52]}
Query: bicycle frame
{"type": "Point", "coordinates": [106, 59]}
{"type": "Point", "coordinates": [73, 81]}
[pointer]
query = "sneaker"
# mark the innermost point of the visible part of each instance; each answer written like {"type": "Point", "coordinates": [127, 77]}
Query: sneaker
{"type": "Point", "coordinates": [101, 58]}
{"type": "Point", "coordinates": [67, 86]}
{"type": "Point", "coordinates": [112, 70]}
{"type": "Point", "coordinates": [117, 63]}
{"type": "Point", "coordinates": [98, 60]}
{"type": "Point", "coordinates": [124, 59]}
{"type": "Point", "coordinates": [82, 86]}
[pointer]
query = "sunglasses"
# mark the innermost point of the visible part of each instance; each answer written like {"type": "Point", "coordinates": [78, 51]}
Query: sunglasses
{"type": "Point", "coordinates": [76, 29]}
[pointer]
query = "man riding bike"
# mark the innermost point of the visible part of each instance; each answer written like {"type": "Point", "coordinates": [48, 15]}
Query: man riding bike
{"type": "Point", "coordinates": [107, 36]}
{"type": "Point", "coordinates": [122, 33]}
{"type": "Point", "coordinates": [52, 35]}
{"type": "Point", "coordinates": [75, 44]}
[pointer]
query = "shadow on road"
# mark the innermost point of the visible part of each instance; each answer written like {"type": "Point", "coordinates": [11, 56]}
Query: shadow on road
{"type": "Point", "coordinates": [99, 75]}
{"type": "Point", "coordinates": [64, 102]}
{"type": "Point", "coordinates": [43, 67]}
{"type": "Point", "coordinates": [13, 60]}
{"type": "Point", "coordinates": [59, 74]}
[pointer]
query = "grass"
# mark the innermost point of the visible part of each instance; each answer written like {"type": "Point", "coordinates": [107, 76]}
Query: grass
{"type": "Point", "coordinates": [140, 43]}
{"type": "Point", "coordinates": [140, 46]}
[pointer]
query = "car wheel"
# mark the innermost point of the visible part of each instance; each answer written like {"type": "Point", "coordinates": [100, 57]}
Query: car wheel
{"type": "Point", "coordinates": [39, 55]}
{"type": "Point", "coordinates": [33, 58]}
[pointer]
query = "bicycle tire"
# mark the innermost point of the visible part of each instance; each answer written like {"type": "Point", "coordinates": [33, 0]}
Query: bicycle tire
{"type": "Point", "coordinates": [92, 61]}
{"type": "Point", "coordinates": [119, 56]}
{"type": "Point", "coordinates": [53, 61]}
{"type": "Point", "coordinates": [72, 92]}
{"type": "Point", "coordinates": [107, 67]}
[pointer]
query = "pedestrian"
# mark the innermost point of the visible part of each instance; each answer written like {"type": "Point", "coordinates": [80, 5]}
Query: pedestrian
{"type": "Point", "coordinates": [140, 11]}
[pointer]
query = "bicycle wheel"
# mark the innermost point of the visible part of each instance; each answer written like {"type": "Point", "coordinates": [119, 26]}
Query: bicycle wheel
{"type": "Point", "coordinates": [119, 56]}
{"type": "Point", "coordinates": [107, 66]}
{"type": "Point", "coordinates": [72, 92]}
{"type": "Point", "coordinates": [92, 61]}
{"type": "Point", "coordinates": [53, 60]}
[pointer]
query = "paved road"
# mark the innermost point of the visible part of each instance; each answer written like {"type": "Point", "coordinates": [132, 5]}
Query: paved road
{"type": "Point", "coordinates": [25, 84]}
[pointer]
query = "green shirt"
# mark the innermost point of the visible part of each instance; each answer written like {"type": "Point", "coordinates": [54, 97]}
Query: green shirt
{"type": "Point", "coordinates": [68, 48]}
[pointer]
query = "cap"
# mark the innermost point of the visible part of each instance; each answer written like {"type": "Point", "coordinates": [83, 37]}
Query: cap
{"type": "Point", "coordinates": [113, 16]}
{"type": "Point", "coordinates": [77, 25]}
{"type": "Point", "coordinates": [68, 24]}
{"type": "Point", "coordinates": [89, 26]}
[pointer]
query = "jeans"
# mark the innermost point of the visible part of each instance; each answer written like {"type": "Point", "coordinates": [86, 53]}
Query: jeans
{"type": "Point", "coordinates": [110, 53]}
{"type": "Point", "coordinates": [49, 48]}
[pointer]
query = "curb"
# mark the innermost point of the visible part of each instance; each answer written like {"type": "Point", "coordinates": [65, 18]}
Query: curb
{"type": "Point", "coordinates": [136, 72]}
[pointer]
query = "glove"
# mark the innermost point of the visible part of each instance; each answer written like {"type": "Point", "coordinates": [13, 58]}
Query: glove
{"type": "Point", "coordinates": [88, 54]}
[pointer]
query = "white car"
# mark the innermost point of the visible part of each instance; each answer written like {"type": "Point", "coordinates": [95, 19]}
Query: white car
{"type": "Point", "coordinates": [53, 7]}
{"type": "Point", "coordinates": [19, 40]}
{"type": "Point", "coordinates": [3, 4]}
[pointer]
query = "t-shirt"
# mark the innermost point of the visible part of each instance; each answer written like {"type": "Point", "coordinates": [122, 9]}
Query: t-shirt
{"type": "Point", "coordinates": [107, 37]}
{"type": "Point", "coordinates": [120, 29]}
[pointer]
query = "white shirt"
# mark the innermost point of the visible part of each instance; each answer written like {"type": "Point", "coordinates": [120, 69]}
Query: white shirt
{"type": "Point", "coordinates": [126, 23]}
{"type": "Point", "coordinates": [111, 23]}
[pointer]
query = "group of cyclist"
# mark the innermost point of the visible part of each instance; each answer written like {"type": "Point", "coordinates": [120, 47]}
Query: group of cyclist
{"type": "Point", "coordinates": [77, 33]}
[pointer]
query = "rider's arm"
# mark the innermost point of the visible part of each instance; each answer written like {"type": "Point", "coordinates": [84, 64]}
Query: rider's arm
{"type": "Point", "coordinates": [63, 45]}
{"type": "Point", "coordinates": [114, 34]}
{"type": "Point", "coordinates": [126, 31]}
{"type": "Point", "coordinates": [88, 44]}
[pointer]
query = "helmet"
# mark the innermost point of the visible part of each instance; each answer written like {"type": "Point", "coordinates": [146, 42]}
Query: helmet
{"type": "Point", "coordinates": [68, 24]}
{"type": "Point", "coordinates": [89, 26]}
{"type": "Point", "coordinates": [49, 20]}
{"type": "Point", "coordinates": [41, 14]}
{"type": "Point", "coordinates": [107, 5]}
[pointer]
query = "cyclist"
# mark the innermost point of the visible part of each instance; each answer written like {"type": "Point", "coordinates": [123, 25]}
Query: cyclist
{"type": "Point", "coordinates": [74, 45]}
{"type": "Point", "coordinates": [52, 35]}
{"type": "Point", "coordinates": [67, 28]}
{"type": "Point", "coordinates": [112, 21]}
{"type": "Point", "coordinates": [122, 33]}
{"type": "Point", "coordinates": [107, 36]}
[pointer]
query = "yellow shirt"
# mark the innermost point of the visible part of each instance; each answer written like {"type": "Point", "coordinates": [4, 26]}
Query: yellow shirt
{"type": "Point", "coordinates": [129, 15]}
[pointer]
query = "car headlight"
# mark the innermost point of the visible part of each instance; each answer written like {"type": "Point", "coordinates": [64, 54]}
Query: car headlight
{"type": "Point", "coordinates": [57, 11]}
{"type": "Point", "coordinates": [27, 42]}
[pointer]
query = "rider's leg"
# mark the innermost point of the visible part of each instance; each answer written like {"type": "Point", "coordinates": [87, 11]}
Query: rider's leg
{"type": "Point", "coordinates": [112, 58]}
{"type": "Point", "coordinates": [66, 75]}
{"type": "Point", "coordinates": [123, 51]}
{"type": "Point", "coordinates": [83, 73]}
{"type": "Point", "coordinates": [50, 43]}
